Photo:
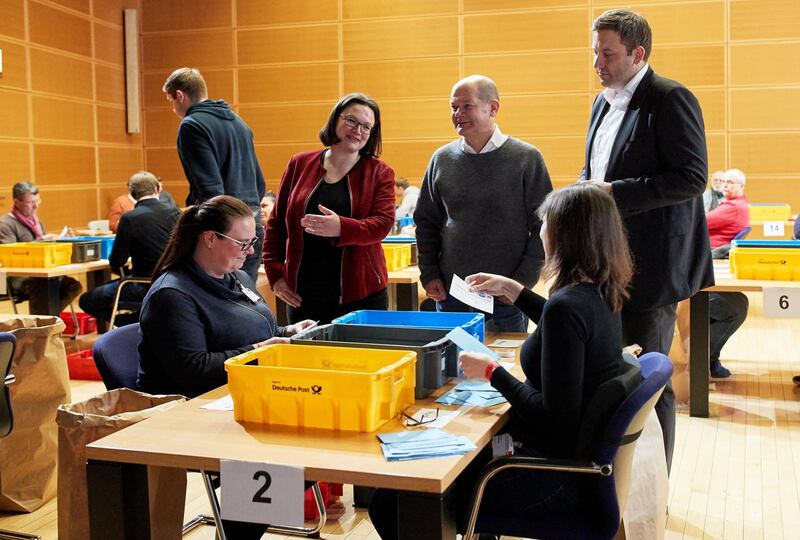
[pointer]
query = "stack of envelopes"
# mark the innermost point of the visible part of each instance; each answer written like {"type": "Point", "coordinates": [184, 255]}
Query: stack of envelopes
{"type": "Point", "coordinates": [423, 443]}
{"type": "Point", "coordinates": [476, 393]}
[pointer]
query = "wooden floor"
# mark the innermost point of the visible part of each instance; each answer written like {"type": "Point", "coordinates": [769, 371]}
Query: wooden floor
{"type": "Point", "coordinates": [735, 475]}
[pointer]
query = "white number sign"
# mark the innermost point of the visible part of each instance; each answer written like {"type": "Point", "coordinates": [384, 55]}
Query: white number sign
{"type": "Point", "coordinates": [773, 228]}
{"type": "Point", "coordinates": [782, 302]}
{"type": "Point", "coordinates": [262, 493]}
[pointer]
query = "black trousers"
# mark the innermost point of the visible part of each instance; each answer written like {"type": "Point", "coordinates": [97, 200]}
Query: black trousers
{"type": "Point", "coordinates": [653, 331]}
{"type": "Point", "coordinates": [726, 313]}
{"type": "Point", "coordinates": [325, 311]}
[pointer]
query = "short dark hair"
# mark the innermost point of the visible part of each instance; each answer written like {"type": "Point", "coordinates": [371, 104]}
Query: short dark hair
{"type": "Point", "coordinates": [142, 184]}
{"type": "Point", "coordinates": [586, 242]}
{"type": "Point", "coordinates": [632, 28]}
{"type": "Point", "coordinates": [21, 188]}
{"type": "Point", "coordinates": [215, 214]}
{"type": "Point", "coordinates": [187, 80]}
{"type": "Point", "coordinates": [328, 136]}
{"type": "Point", "coordinates": [269, 195]}
{"type": "Point", "coordinates": [402, 183]}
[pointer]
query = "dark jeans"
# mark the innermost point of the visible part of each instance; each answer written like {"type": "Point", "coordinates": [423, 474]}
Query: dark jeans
{"type": "Point", "coordinates": [99, 301]}
{"type": "Point", "coordinates": [251, 264]}
{"type": "Point", "coordinates": [726, 313]}
{"type": "Point", "coordinates": [325, 312]}
{"type": "Point", "coordinates": [36, 291]}
{"type": "Point", "coordinates": [505, 318]}
{"type": "Point", "coordinates": [653, 330]}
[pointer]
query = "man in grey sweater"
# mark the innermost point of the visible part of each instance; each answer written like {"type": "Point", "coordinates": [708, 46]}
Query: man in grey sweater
{"type": "Point", "coordinates": [477, 206]}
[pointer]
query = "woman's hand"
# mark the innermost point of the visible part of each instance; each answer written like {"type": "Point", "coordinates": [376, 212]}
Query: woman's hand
{"type": "Point", "coordinates": [271, 341]}
{"type": "Point", "coordinates": [474, 364]}
{"type": "Point", "coordinates": [327, 224]}
{"type": "Point", "coordinates": [506, 289]}
{"type": "Point", "coordinates": [293, 329]}
{"type": "Point", "coordinates": [285, 293]}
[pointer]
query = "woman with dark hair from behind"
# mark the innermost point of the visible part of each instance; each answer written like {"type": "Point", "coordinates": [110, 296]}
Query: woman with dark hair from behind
{"type": "Point", "coordinates": [574, 349]}
{"type": "Point", "coordinates": [322, 252]}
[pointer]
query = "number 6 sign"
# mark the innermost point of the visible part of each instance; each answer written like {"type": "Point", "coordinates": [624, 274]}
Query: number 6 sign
{"type": "Point", "coordinates": [782, 302]}
{"type": "Point", "coordinates": [262, 493]}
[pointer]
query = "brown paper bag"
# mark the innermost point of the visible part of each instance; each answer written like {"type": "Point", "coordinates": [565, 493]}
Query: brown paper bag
{"type": "Point", "coordinates": [28, 455]}
{"type": "Point", "coordinates": [82, 423]}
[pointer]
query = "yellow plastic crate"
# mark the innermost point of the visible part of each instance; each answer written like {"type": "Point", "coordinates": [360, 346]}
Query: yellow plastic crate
{"type": "Point", "coordinates": [36, 254]}
{"type": "Point", "coordinates": [770, 212]}
{"type": "Point", "coordinates": [339, 388]}
{"type": "Point", "coordinates": [398, 256]}
{"type": "Point", "coordinates": [780, 264]}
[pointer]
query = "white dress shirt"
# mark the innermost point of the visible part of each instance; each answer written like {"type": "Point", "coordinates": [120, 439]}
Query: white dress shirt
{"type": "Point", "coordinates": [495, 141]}
{"type": "Point", "coordinates": [609, 127]}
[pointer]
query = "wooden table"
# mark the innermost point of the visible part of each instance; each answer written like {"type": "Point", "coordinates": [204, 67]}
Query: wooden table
{"type": "Point", "coordinates": [97, 273]}
{"type": "Point", "coordinates": [699, 332]}
{"type": "Point", "coordinates": [187, 437]}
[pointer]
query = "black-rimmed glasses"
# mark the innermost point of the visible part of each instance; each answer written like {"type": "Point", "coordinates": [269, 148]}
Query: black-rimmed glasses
{"type": "Point", "coordinates": [426, 416]}
{"type": "Point", "coordinates": [352, 123]}
{"type": "Point", "coordinates": [244, 244]}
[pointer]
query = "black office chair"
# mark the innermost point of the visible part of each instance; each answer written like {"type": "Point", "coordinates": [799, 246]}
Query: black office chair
{"type": "Point", "coordinates": [7, 344]}
{"type": "Point", "coordinates": [605, 472]}
{"type": "Point", "coordinates": [116, 355]}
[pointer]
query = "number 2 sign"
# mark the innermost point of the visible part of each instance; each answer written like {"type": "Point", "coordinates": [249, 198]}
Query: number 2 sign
{"type": "Point", "coordinates": [782, 302]}
{"type": "Point", "coordinates": [262, 493]}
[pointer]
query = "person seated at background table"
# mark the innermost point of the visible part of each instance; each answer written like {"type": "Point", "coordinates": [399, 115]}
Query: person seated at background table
{"type": "Point", "coordinates": [731, 216]}
{"type": "Point", "coordinates": [125, 203]}
{"type": "Point", "coordinates": [142, 235]}
{"type": "Point", "coordinates": [202, 309]}
{"type": "Point", "coordinates": [322, 251]}
{"type": "Point", "coordinates": [267, 204]}
{"type": "Point", "coordinates": [574, 349]}
{"type": "Point", "coordinates": [23, 225]}
{"type": "Point", "coordinates": [408, 195]}
{"type": "Point", "coordinates": [714, 195]}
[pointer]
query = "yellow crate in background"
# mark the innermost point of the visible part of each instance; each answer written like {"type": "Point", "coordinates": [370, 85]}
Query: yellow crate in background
{"type": "Point", "coordinates": [342, 388]}
{"type": "Point", "coordinates": [398, 256]}
{"type": "Point", "coordinates": [35, 254]}
{"type": "Point", "coordinates": [770, 212]}
{"type": "Point", "coordinates": [779, 264]}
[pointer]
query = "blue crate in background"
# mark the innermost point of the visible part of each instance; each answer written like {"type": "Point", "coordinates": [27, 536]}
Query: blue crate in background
{"type": "Point", "coordinates": [472, 323]}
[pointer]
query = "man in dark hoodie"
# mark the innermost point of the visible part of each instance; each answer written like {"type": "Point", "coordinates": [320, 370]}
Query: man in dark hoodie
{"type": "Point", "coordinates": [216, 150]}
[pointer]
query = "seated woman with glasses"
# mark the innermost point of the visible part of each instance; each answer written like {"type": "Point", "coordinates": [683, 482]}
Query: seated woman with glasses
{"type": "Point", "coordinates": [322, 251]}
{"type": "Point", "coordinates": [202, 309]}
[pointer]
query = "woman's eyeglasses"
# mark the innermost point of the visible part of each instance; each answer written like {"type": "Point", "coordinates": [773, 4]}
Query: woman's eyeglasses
{"type": "Point", "coordinates": [244, 244]}
{"type": "Point", "coordinates": [420, 418]}
{"type": "Point", "coordinates": [352, 123]}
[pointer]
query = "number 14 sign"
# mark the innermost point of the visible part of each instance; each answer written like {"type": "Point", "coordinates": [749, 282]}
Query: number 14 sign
{"type": "Point", "coordinates": [262, 493]}
{"type": "Point", "coordinates": [782, 302]}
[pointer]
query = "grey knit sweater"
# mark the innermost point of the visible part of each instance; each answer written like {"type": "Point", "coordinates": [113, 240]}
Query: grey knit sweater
{"type": "Point", "coordinates": [477, 213]}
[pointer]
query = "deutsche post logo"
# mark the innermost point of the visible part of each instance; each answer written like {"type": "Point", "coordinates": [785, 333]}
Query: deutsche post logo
{"type": "Point", "coordinates": [316, 389]}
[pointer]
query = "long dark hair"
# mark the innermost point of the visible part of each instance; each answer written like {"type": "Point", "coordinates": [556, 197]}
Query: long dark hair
{"type": "Point", "coordinates": [327, 135]}
{"type": "Point", "coordinates": [215, 214]}
{"type": "Point", "coordinates": [586, 242]}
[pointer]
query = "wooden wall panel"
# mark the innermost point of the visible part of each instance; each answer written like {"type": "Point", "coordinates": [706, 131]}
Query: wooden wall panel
{"type": "Point", "coordinates": [61, 75]}
{"type": "Point", "coordinates": [712, 103]}
{"type": "Point", "coordinates": [765, 64]}
{"type": "Point", "coordinates": [417, 78]}
{"type": "Point", "coordinates": [111, 10]}
{"type": "Point", "coordinates": [258, 12]}
{"type": "Point", "coordinates": [509, 5]}
{"type": "Point", "coordinates": [77, 5]}
{"type": "Point", "coordinates": [385, 39]}
{"type": "Point", "coordinates": [774, 108]}
{"type": "Point", "coordinates": [13, 114]}
{"type": "Point", "coordinates": [16, 163]}
{"type": "Point", "coordinates": [179, 192]}
{"type": "Point", "coordinates": [563, 156]}
{"type": "Point", "coordinates": [694, 65]}
{"type": "Point", "coordinates": [562, 71]}
{"type": "Point", "coordinates": [110, 84]}
{"type": "Point", "coordinates": [208, 48]}
{"type": "Point", "coordinates": [118, 164]}
{"type": "Point", "coordinates": [278, 45]}
{"type": "Point", "coordinates": [12, 23]}
{"type": "Point", "coordinates": [218, 82]}
{"type": "Point", "coordinates": [557, 29]}
{"type": "Point", "coordinates": [682, 22]}
{"type": "Point", "coordinates": [766, 153]}
{"type": "Point", "coordinates": [716, 144]}
{"type": "Point", "coordinates": [409, 159]}
{"type": "Point", "coordinates": [765, 19]}
{"type": "Point", "coordinates": [361, 9]}
{"type": "Point", "coordinates": [298, 123]}
{"type": "Point", "coordinates": [59, 29]}
{"type": "Point", "coordinates": [273, 158]}
{"type": "Point", "coordinates": [66, 206]}
{"type": "Point", "coordinates": [421, 119]}
{"type": "Point", "coordinates": [164, 162]}
{"type": "Point", "coordinates": [774, 190]}
{"type": "Point", "coordinates": [186, 15]}
{"type": "Point", "coordinates": [544, 115]}
{"type": "Point", "coordinates": [57, 164]}
{"type": "Point", "coordinates": [109, 44]}
{"type": "Point", "coordinates": [161, 127]}
{"type": "Point", "coordinates": [15, 67]}
{"type": "Point", "coordinates": [310, 82]}
{"type": "Point", "coordinates": [112, 126]}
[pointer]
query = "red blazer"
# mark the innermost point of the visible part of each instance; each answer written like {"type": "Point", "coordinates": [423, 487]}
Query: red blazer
{"type": "Point", "coordinates": [727, 220]}
{"type": "Point", "coordinates": [371, 185]}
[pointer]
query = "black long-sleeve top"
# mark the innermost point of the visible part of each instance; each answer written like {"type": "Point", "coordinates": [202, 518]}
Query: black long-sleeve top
{"type": "Point", "coordinates": [574, 349]}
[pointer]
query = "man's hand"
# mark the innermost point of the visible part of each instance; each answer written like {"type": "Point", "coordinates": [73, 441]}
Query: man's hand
{"type": "Point", "coordinates": [327, 224]}
{"type": "Point", "coordinates": [285, 293]}
{"type": "Point", "coordinates": [435, 289]}
{"type": "Point", "coordinates": [602, 184]}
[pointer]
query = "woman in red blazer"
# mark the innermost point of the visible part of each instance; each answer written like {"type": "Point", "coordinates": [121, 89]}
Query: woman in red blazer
{"type": "Point", "coordinates": [322, 250]}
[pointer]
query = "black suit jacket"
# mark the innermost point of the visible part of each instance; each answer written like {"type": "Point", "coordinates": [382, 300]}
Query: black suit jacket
{"type": "Point", "coordinates": [658, 168]}
{"type": "Point", "coordinates": [142, 235]}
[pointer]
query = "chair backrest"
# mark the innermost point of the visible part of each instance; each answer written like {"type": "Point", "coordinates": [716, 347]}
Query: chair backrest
{"type": "Point", "coordinates": [741, 234]}
{"type": "Point", "coordinates": [116, 355]}
{"type": "Point", "coordinates": [7, 344]}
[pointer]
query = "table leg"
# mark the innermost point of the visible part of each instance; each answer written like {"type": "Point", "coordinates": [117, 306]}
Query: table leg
{"type": "Point", "coordinates": [53, 307]}
{"type": "Point", "coordinates": [426, 515]}
{"type": "Point", "coordinates": [118, 501]}
{"type": "Point", "coordinates": [698, 355]}
{"type": "Point", "coordinates": [407, 296]}
{"type": "Point", "coordinates": [95, 278]}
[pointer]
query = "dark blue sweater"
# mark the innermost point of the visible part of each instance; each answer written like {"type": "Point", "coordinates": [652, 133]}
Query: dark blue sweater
{"type": "Point", "coordinates": [191, 323]}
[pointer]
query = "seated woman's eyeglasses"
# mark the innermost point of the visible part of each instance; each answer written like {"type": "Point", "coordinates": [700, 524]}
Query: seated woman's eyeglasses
{"type": "Point", "coordinates": [244, 244]}
{"type": "Point", "coordinates": [426, 416]}
{"type": "Point", "coordinates": [352, 123]}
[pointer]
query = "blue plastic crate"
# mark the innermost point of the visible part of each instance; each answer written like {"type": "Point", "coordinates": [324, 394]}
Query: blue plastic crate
{"type": "Point", "coordinates": [766, 243]}
{"type": "Point", "coordinates": [399, 240]}
{"type": "Point", "coordinates": [106, 243]}
{"type": "Point", "coordinates": [472, 323]}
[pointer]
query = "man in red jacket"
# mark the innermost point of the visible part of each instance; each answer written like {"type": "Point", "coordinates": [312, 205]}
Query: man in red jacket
{"type": "Point", "coordinates": [733, 214]}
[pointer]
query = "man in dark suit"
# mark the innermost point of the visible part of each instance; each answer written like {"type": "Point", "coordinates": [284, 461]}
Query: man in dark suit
{"type": "Point", "coordinates": [646, 146]}
{"type": "Point", "coordinates": [142, 235]}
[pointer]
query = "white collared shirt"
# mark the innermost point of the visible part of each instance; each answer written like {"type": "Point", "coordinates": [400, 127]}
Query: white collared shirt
{"type": "Point", "coordinates": [609, 127]}
{"type": "Point", "coordinates": [495, 141]}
